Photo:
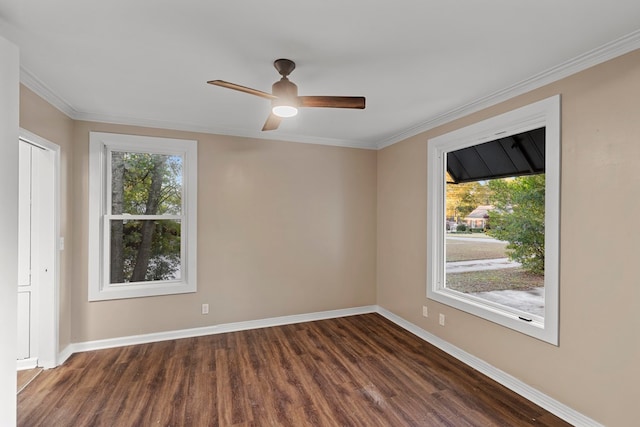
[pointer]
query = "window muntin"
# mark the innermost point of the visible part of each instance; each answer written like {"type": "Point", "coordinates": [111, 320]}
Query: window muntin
{"type": "Point", "coordinates": [142, 216]}
{"type": "Point", "coordinates": [544, 114]}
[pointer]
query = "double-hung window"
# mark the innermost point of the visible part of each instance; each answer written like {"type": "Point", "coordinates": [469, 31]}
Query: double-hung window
{"type": "Point", "coordinates": [493, 219]}
{"type": "Point", "coordinates": [142, 216]}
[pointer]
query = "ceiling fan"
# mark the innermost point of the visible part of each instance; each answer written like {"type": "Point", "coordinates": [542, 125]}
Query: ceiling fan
{"type": "Point", "coordinates": [284, 96]}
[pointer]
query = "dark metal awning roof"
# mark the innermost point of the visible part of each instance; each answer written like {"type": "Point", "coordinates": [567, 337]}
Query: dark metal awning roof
{"type": "Point", "coordinates": [515, 155]}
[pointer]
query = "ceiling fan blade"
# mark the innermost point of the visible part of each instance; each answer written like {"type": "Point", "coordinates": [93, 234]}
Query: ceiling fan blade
{"type": "Point", "coordinates": [272, 122]}
{"type": "Point", "coordinates": [240, 88]}
{"type": "Point", "coordinates": [332, 101]}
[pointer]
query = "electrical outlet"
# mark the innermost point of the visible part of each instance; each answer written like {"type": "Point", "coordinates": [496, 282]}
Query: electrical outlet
{"type": "Point", "coordinates": [205, 308]}
{"type": "Point", "coordinates": [441, 319]}
{"type": "Point", "coordinates": [425, 311]}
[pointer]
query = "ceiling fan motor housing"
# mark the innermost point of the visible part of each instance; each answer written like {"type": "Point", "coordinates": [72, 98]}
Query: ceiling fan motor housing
{"type": "Point", "coordinates": [284, 88]}
{"type": "Point", "coordinates": [286, 91]}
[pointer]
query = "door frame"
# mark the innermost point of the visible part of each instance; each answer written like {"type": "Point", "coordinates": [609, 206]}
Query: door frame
{"type": "Point", "coordinates": [47, 302]}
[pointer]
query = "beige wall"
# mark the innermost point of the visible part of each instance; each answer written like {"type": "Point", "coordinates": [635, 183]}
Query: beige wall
{"type": "Point", "coordinates": [596, 368]}
{"type": "Point", "coordinates": [283, 228]}
{"type": "Point", "coordinates": [39, 117]}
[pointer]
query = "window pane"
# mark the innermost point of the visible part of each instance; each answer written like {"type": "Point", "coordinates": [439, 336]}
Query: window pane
{"type": "Point", "coordinates": [145, 184]}
{"type": "Point", "coordinates": [494, 242]}
{"type": "Point", "coordinates": [145, 250]}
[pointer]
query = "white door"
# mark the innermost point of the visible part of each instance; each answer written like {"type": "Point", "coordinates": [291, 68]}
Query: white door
{"type": "Point", "coordinates": [27, 254]}
{"type": "Point", "coordinates": [38, 251]}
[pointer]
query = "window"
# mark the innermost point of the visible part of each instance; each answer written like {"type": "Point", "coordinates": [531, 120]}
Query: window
{"type": "Point", "coordinates": [493, 219]}
{"type": "Point", "coordinates": [142, 216]}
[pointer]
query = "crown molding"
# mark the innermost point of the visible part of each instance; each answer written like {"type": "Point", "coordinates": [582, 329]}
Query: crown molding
{"type": "Point", "coordinates": [589, 59]}
{"type": "Point", "coordinates": [28, 79]}
{"type": "Point", "coordinates": [190, 127]}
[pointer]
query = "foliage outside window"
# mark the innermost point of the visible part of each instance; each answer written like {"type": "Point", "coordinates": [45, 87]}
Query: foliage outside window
{"type": "Point", "coordinates": [518, 218]}
{"type": "Point", "coordinates": [142, 216]}
{"type": "Point", "coordinates": [494, 239]}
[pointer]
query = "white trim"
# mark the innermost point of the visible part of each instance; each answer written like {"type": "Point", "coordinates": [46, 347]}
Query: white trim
{"type": "Point", "coordinates": [189, 127]}
{"type": "Point", "coordinates": [589, 59]}
{"type": "Point", "coordinates": [546, 402]}
{"type": "Point", "coordinates": [544, 113]}
{"type": "Point", "coordinates": [24, 364]}
{"type": "Point", "coordinates": [604, 53]}
{"type": "Point", "coordinates": [28, 79]}
{"type": "Point", "coordinates": [66, 353]}
{"type": "Point", "coordinates": [218, 329]}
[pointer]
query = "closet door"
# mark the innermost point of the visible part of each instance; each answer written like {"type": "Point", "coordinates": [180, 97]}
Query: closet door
{"type": "Point", "coordinates": [25, 286]}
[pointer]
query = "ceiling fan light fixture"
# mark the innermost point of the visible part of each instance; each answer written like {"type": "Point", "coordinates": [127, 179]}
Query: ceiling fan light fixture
{"type": "Point", "coordinates": [284, 111]}
{"type": "Point", "coordinates": [284, 108]}
{"type": "Point", "coordinates": [284, 96]}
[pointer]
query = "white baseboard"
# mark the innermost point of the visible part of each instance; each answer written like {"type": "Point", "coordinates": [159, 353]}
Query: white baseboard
{"type": "Point", "coordinates": [217, 329]}
{"type": "Point", "coordinates": [512, 383]}
{"type": "Point", "coordinates": [65, 354]}
{"type": "Point", "coordinates": [24, 364]}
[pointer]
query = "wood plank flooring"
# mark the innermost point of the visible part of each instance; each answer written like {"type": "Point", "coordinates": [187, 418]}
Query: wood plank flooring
{"type": "Point", "coordinates": [26, 376]}
{"type": "Point", "coordinates": [352, 371]}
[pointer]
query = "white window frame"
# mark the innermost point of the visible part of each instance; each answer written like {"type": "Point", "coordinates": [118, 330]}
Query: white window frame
{"type": "Point", "coordinates": [100, 147]}
{"type": "Point", "coordinates": [545, 113]}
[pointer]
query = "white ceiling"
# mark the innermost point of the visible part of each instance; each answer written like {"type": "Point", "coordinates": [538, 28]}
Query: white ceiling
{"type": "Point", "coordinates": [418, 62]}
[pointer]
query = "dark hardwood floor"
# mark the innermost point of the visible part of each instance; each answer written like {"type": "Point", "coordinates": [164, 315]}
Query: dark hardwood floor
{"type": "Point", "coordinates": [352, 371]}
